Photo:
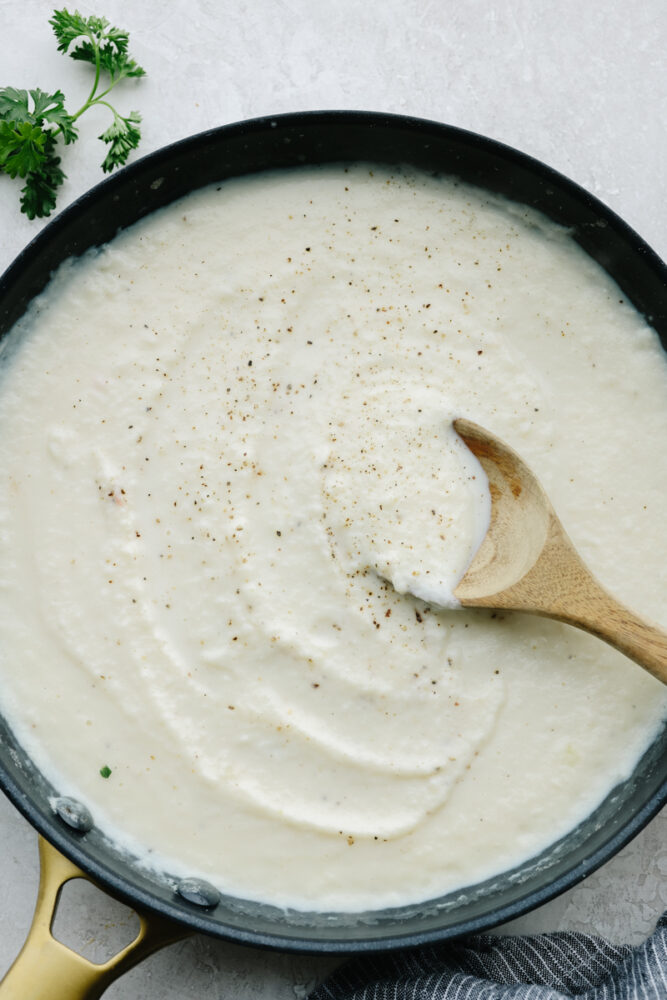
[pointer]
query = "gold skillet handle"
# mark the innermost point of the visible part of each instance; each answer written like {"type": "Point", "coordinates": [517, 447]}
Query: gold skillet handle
{"type": "Point", "coordinates": [45, 969]}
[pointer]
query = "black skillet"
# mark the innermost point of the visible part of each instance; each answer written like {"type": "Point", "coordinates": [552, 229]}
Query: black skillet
{"type": "Point", "coordinates": [282, 142]}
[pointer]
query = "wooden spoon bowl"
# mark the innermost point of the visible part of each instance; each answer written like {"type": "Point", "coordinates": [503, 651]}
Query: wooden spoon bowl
{"type": "Point", "coordinates": [527, 562]}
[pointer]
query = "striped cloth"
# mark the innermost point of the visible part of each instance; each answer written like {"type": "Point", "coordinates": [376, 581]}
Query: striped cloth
{"type": "Point", "coordinates": [558, 966]}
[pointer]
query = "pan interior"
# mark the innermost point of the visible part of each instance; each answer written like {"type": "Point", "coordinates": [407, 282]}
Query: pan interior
{"type": "Point", "coordinates": [286, 142]}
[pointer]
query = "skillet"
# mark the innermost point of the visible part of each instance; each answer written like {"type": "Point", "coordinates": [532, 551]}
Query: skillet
{"type": "Point", "coordinates": [283, 142]}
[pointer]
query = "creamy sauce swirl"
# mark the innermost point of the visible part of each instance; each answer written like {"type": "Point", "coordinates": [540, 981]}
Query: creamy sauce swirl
{"type": "Point", "coordinates": [228, 463]}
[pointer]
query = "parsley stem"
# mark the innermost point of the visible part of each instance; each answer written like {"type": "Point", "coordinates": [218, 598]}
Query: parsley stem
{"type": "Point", "coordinates": [81, 110]}
{"type": "Point", "coordinates": [96, 100]}
{"type": "Point", "coordinates": [97, 70]}
{"type": "Point", "coordinates": [110, 107]}
{"type": "Point", "coordinates": [110, 87]}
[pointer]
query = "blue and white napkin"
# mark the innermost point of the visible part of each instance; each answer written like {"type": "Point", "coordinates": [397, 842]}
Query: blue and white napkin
{"type": "Point", "coordinates": [558, 966]}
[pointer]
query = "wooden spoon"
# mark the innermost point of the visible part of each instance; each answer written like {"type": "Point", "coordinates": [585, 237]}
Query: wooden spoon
{"type": "Point", "coordinates": [526, 561]}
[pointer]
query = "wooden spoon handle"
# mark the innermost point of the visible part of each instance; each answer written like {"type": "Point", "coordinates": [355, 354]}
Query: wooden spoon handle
{"type": "Point", "coordinates": [597, 612]}
{"type": "Point", "coordinates": [561, 586]}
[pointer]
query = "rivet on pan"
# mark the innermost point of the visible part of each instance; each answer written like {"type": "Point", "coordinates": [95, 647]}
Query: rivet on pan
{"type": "Point", "coordinates": [196, 891]}
{"type": "Point", "coordinates": [74, 813]}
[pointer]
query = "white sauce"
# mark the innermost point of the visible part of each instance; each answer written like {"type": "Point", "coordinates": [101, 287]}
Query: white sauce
{"type": "Point", "coordinates": [223, 435]}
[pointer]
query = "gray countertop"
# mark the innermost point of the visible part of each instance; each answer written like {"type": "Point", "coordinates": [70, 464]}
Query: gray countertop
{"type": "Point", "coordinates": [581, 86]}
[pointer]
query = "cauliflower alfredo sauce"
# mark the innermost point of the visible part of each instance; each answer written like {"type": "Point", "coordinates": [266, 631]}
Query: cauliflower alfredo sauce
{"type": "Point", "coordinates": [233, 511]}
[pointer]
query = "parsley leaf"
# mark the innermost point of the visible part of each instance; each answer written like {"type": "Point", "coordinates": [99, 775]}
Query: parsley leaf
{"type": "Point", "coordinates": [14, 104]}
{"type": "Point", "coordinates": [38, 196]}
{"type": "Point", "coordinates": [31, 121]}
{"type": "Point", "coordinates": [95, 41]}
{"type": "Point", "coordinates": [68, 27]}
{"type": "Point", "coordinates": [123, 136]}
{"type": "Point", "coordinates": [51, 108]}
{"type": "Point", "coordinates": [21, 147]}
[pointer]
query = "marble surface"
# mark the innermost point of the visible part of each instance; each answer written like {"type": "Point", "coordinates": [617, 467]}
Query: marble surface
{"type": "Point", "coordinates": [582, 86]}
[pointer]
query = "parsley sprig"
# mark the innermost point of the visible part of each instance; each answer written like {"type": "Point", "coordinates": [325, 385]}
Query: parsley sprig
{"type": "Point", "coordinates": [32, 121]}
